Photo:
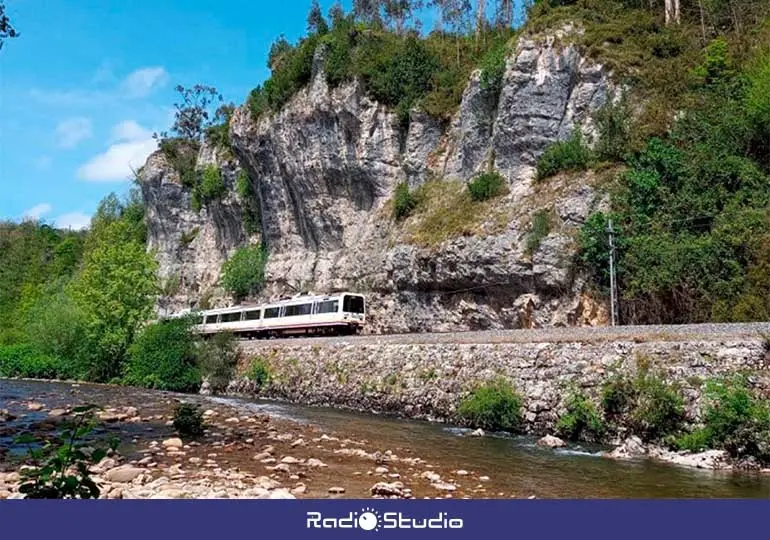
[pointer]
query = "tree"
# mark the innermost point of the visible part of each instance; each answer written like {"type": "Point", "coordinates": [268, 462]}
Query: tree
{"type": "Point", "coordinates": [244, 272]}
{"type": "Point", "coordinates": [194, 113]}
{"type": "Point", "coordinates": [504, 15]}
{"type": "Point", "coordinates": [6, 29]}
{"type": "Point", "coordinates": [316, 24]}
{"type": "Point", "coordinates": [278, 51]}
{"type": "Point", "coordinates": [336, 15]}
{"type": "Point", "coordinates": [115, 288]}
{"type": "Point", "coordinates": [367, 11]}
{"type": "Point", "coordinates": [398, 12]}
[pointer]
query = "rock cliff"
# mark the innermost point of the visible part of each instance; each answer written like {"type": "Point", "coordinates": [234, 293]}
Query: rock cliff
{"type": "Point", "coordinates": [324, 170]}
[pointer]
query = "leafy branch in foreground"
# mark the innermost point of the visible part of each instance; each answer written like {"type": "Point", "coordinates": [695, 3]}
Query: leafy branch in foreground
{"type": "Point", "coordinates": [61, 469]}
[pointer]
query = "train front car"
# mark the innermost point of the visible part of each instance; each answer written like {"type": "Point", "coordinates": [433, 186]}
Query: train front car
{"type": "Point", "coordinates": [354, 311]}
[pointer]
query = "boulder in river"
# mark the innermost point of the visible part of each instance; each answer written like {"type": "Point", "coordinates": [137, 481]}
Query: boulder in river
{"type": "Point", "coordinates": [632, 447]}
{"type": "Point", "coordinates": [549, 441]}
{"type": "Point", "coordinates": [477, 433]}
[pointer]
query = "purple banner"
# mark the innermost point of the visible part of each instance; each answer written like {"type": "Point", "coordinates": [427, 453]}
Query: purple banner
{"type": "Point", "coordinates": [476, 519]}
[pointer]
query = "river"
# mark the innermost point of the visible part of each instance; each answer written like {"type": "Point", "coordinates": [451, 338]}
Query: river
{"type": "Point", "coordinates": [515, 465]}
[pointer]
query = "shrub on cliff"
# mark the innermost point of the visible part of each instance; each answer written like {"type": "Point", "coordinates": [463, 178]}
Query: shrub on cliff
{"type": "Point", "coordinates": [495, 405]}
{"type": "Point", "coordinates": [569, 155]}
{"type": "Point", "coordinates": [734, 419]}
{"type": "Point", "coordinates": [218, 358]}
{"type": "Point", "coordinates": [648, 405]}
{"type": "Point", "coordinates": [581, 420]}
{"type": "Point", "coordinates": [404, 201]}
{"type": "Point", "coordinates": [486, 186]}
{"type": "Point", "coordinates": [188, 420]}
{"type": "Point", "coordinates": [244, 272]}
{"type": "Point", "coordinates": [163, 357]}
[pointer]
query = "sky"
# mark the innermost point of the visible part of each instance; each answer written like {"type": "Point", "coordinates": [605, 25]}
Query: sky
{"type": "Point", "coordinates": [88, 81]}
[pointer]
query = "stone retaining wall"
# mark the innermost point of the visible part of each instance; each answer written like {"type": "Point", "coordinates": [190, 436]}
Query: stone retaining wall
{"type": "Point", "coordinates": [428, 380]}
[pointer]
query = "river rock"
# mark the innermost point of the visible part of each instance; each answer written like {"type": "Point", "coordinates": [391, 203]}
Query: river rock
{"type": "Point", "coordinates": [105, 464]}
{"type": "Point", "coordinates": [55, 413]}
{"type": "Point", "coordinates": [281, 467]}
{"type": "Point", "coordinates": [381, 470]}
{"type": "Point", "coordinates": [277, 494]}
{"type": "Point", "coordinates": [431, 476]}
{"type": "Point", "coordinates": [444, 486]}
{"type": "Point", "coordinates": [632, 447]}
{"type": "Point", "coordinates": [461, 472]}
{"type": "Point", "coordinates": [299, 489]}
{"type": "Point", "coordinates": [123, 474]}
{"type": "Point", "coordinates": [477, 433]}
{"type": "Point", "coordinates": [317, 463]}
{"type": "Point", "coordinates": [298, 442]}
{"type": "Point", "coordinates": [291, 460]}
{"type": "Point", "coordinates": [209, 413]}
{"type": "Point", "coordinates": [388, 489]}
{"type": "Point", "coordinates": [336, 490]}
{"type": "Point", "coordinates": [549, 441]}
{"type": "Point", "coordinates": [174, 442]}
{"type": "Point", "coordinates": [34, 406]}
{"type": "Point", "coordinates": [6, 416]}
{"type": "Point", "coordinates": [710, 459]}
{"type": "Point", "coordinates": [170, 494]}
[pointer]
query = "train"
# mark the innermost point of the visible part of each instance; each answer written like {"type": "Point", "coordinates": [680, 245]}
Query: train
{"type": "Point", "coordinates": [301, 315]}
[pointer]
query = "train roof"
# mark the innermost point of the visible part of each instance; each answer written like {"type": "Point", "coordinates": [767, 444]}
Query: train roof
{"type": "Point", "coordinates": [299, 299]}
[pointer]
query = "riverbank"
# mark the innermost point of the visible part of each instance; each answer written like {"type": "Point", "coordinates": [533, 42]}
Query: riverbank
{"type": "Point", "coordinates": [258, 449]}
{"type": "Point", "coordinates": [428, 380]}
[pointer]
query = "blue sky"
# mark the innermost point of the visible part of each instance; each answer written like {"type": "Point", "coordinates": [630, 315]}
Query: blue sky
{"type": "Point", "coordinates": [88, 81]}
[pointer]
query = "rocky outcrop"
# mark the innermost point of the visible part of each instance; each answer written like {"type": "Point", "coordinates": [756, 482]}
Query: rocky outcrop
{"type": "Point", "coordinates": [324, 169]}
{"type": "Point", "coordinates": [191, 245]}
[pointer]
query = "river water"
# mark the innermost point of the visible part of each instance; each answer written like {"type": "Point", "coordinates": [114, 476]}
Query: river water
{"type": "Point", "coordinates": [515, 464]}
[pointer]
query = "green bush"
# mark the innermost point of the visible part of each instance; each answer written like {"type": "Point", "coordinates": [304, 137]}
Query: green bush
{"type": "Point", "coordinates": [259, 372]}
{"type": "Point", "coordinates": [493, 69]}
{"type": "Point", "coordinates": [163, 357]}
{"type": "Point", "coordinates": [734, 420]}
{"type": "Point", "coordinates": [182, 155]}
{"type": "Point", "coordinates": [495, 406]}
{"type": "Point", "coordinates": [613, 121]}
{"type": "Point", "coordinates": [404, 201]}
{"type": "Point", "coordinates": [581, 421]}
{"type": "Point", "coordinates": [188, 420]}
{"type": "Point", "coordinates": [25, 361]}
{"type": "Point", "coordinates": [211, 186]}
{"type": "Point", "coordinates": [249, 203]}
{"type": "Point", "coordinates": [486, 186]}
{"type": "Point", "coordinates": [541, 228]}
{"type": "Point", "coordinates": [649, 406]}
{"type": "Point", "coordinates": [569, 155]}
{"type": "Point", "coordinates": [244, 272]}
{"type": "Point", "coordinates": [218, 358]}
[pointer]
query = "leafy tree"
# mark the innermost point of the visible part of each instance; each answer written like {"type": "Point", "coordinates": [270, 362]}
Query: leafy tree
{"type": "Point", "coordinates": [115, 288]}
{"type": "Point", "coordinates": [6, 29]}
{"type": "Point", "coordinates": [316, 24]}
{"type": "Point", "coordinates": [194, 114]}
{"type": "Point", "coordinates": [244, 272]}
{"type": "Point", "coordinates": [368, 11]}
{"type": "Point", "coordinates": [336, 14]}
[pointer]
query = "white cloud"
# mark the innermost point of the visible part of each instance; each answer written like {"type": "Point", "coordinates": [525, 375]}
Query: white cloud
{"type": "Point", "coordinates": [77, 221]}
{"type": "Point", "coordinates": [131, 144]}
{"type": "Point", "coordinates": [37, 211]}
{"type": "Point", "coordinates": [129, 130]}
{"type": "Point", "coordinates": [73, 131]}
{"type": "Point", "coordinates": [142, 82]}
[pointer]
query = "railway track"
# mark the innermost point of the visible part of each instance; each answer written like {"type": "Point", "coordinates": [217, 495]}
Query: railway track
{"type": "Point", "coordinates": [578, 334]}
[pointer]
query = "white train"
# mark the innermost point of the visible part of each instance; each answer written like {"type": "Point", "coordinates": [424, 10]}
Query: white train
{"type": "Point", "coordinates": [338, 314]}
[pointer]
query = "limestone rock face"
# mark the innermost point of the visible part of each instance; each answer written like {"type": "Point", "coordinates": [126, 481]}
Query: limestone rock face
{"type": "Point", "coordinates": [324, 169]}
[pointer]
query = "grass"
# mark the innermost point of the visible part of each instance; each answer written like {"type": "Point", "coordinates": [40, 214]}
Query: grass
{"type": "Point", "coordinates": [446, 210]}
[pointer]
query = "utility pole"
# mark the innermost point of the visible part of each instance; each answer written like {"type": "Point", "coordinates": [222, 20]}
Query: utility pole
{"type": "Point", "coordinates": [613, 299]}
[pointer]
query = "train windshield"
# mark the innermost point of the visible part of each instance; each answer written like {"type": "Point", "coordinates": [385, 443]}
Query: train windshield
{"type": "Point", "coordinates": [353, 304]}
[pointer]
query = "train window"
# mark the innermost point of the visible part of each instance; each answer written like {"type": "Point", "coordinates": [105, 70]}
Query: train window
{"type": "Point", "coordinates": [353, 304]}
{"type": "Point", "coordinates": [330, 306]}
{"type": "Point", "coordinates": [271, 313]}
{"type": "Point", "coordinates": [211, 319]}
{"type": "Point", "coordinates": [301, 309]}
{"type": "Point", "coordinates": [253, 315]}
{"type": "Point", "coordinates": [231, 317]}
{"type": "Point", "coordinates": [199, 319]}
